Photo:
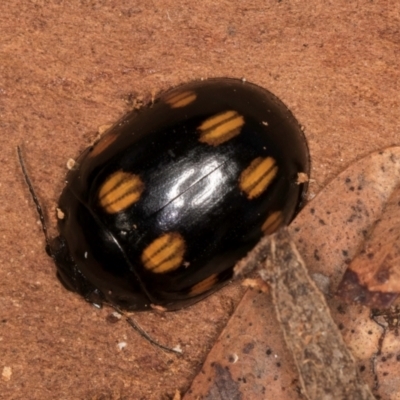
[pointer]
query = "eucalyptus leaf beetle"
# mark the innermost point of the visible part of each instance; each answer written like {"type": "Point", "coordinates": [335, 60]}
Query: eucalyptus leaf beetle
{"type": "Point", "coordinates": [161, 207]}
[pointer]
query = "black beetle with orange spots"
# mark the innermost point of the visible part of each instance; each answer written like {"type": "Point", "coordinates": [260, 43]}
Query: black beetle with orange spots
{"type": "Point", "coordinates": [159, 210]}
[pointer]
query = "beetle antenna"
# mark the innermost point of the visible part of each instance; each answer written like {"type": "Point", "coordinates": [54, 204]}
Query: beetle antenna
{"type": "Point", "coordinates": [34, 197]}
{"type": "Point", "coordinates": [144, 334]}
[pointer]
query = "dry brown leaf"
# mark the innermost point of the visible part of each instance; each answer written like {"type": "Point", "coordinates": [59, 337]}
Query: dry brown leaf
{"type": "Point", "coordinates": [250, 359]}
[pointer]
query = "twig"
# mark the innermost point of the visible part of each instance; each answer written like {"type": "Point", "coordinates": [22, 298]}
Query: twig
{"type": "Point", "coordinates": [326, 367]}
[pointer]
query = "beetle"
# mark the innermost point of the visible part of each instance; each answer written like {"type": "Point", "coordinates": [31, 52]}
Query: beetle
{"type": "Point", "coordinates": [160, 208]}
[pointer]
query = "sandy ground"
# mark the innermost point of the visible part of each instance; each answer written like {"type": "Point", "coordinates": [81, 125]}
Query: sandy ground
{"type": "Point", "coordinates": [67, 68]}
